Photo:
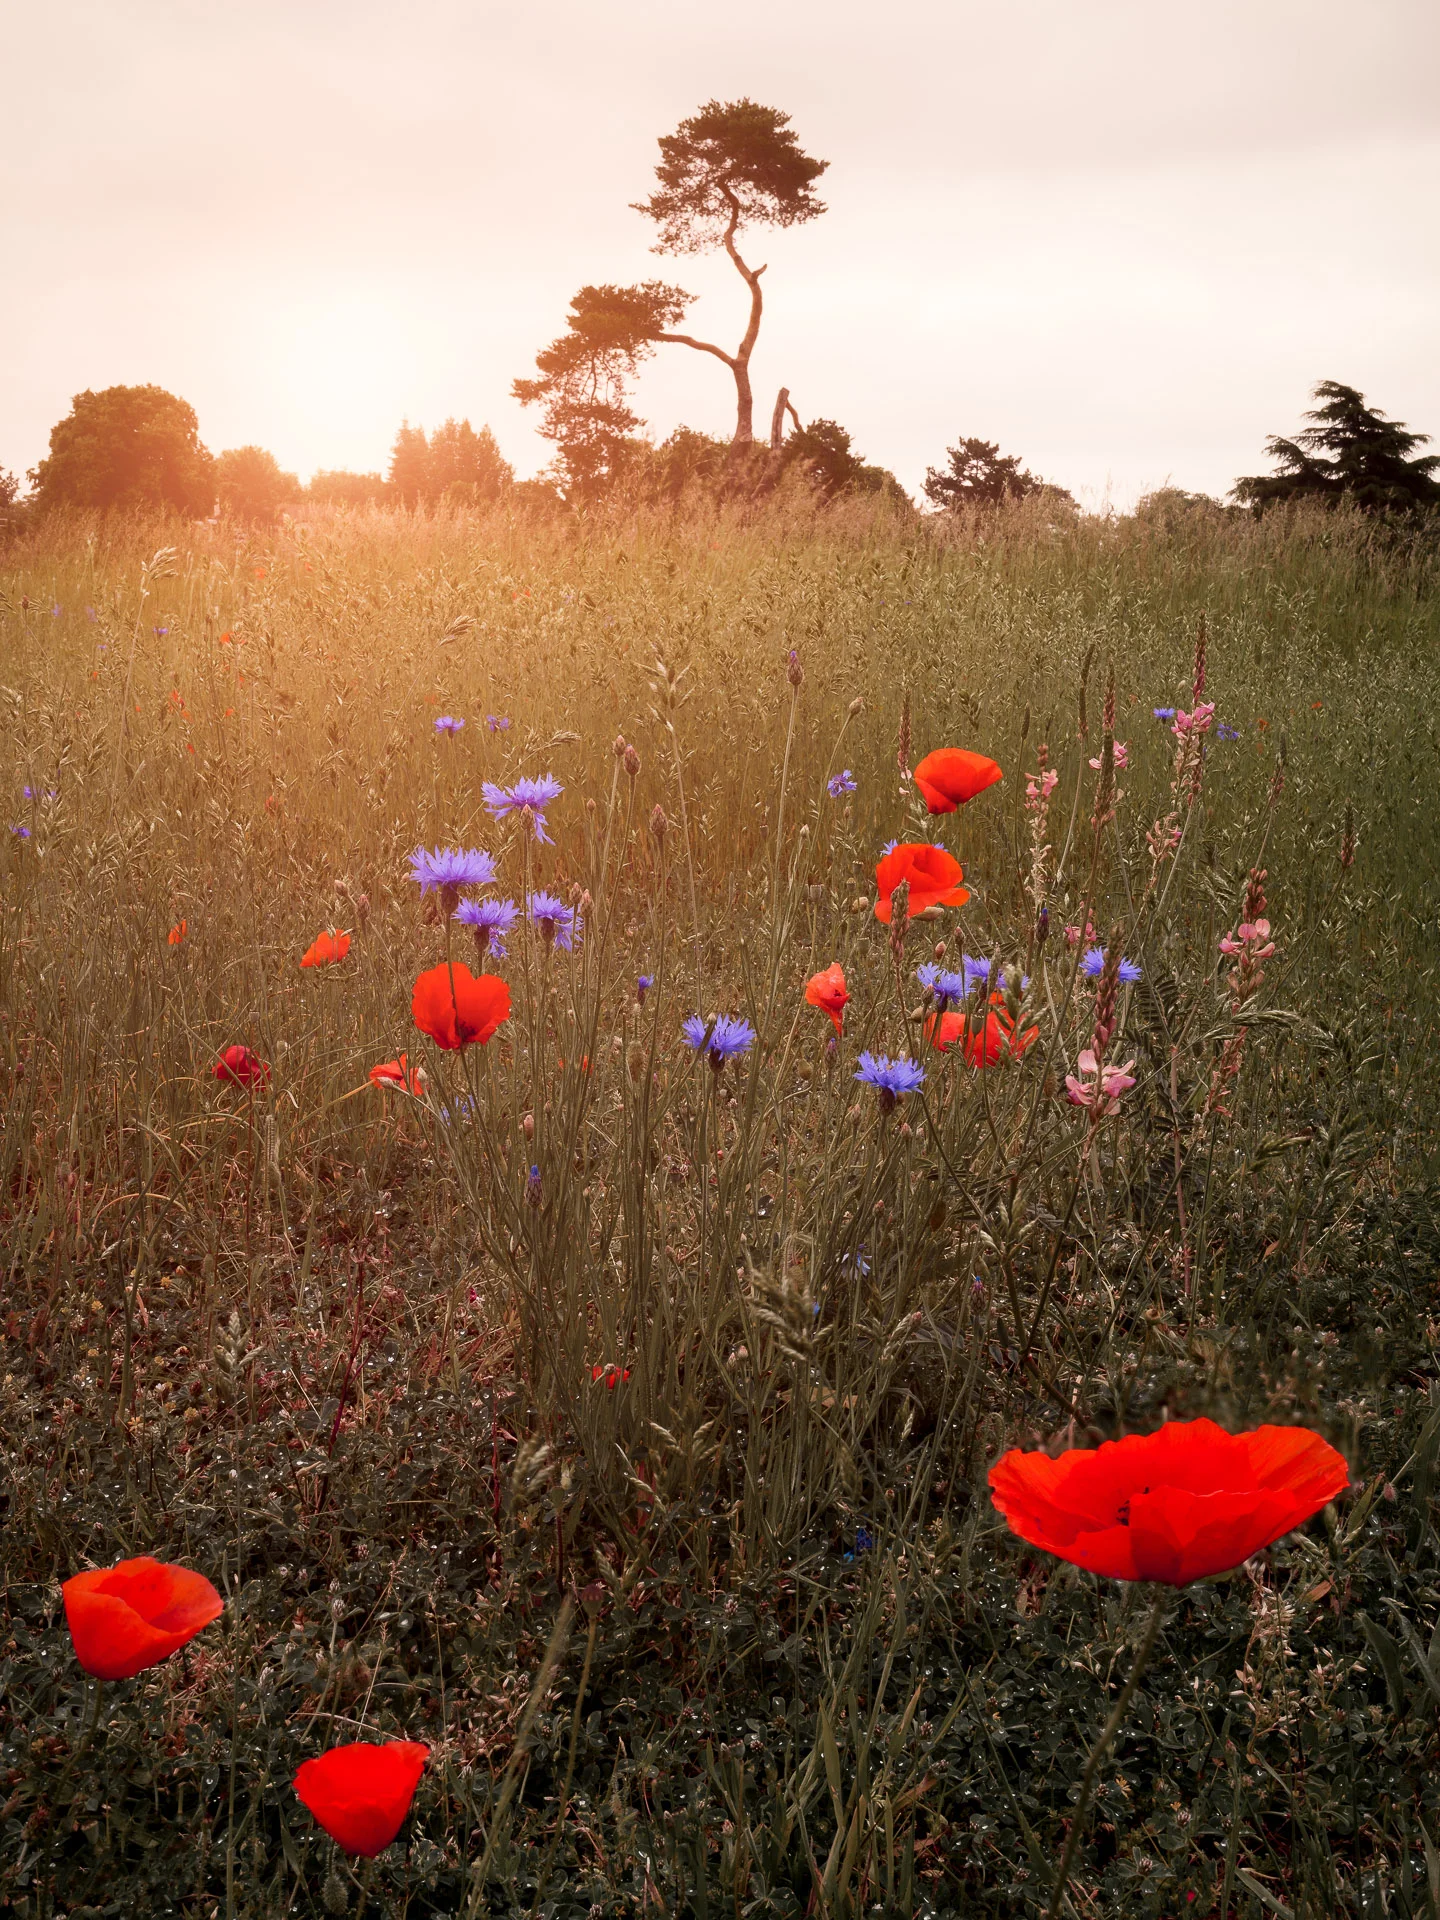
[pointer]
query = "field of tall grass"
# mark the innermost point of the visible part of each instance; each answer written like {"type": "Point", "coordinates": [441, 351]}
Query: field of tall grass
{"type": "Point", "coordinates": [617, 1423]}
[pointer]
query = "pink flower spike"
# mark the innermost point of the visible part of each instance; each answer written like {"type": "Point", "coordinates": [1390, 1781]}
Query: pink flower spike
{"type": "Point", "coordinates": [1117, 1080]}
{"type": "Point", "coordinates": [1077, 1093]}
{"type": "Point", "coordinates": [1087, 1062]}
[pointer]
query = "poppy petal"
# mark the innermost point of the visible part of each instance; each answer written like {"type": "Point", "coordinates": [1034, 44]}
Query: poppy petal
{"type": "Point", "coordinates": [128, 1617]}
{"type": "Point", "coordinates": [361, 1793]}
{"type": "Point", "coordinates": [950, 776]}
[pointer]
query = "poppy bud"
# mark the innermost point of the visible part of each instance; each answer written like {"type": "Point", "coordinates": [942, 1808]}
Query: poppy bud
{"type": "Point", "coordinates": [939, 949]}
{"type": "Point", "coordinates": [632, 762]}
{"type": "Point", "coordinates": [856, 706]}
{"type": "Point", "coordinates": [658, 822]}
{"type": "Point", "coordinates": [586, 900]}
{"type": "Point", "coordinates": [619, 747]}
{"type": "Point", "coordinates": [527, 1126]}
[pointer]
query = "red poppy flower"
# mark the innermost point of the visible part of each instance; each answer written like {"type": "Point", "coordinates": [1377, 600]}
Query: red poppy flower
{"type": "Point", "coordinates": [829, 992]}
{"type": "Point", "coordinates": [1174, 1505]}
{"type": "Point", "coordinates": [242, 1068]}
{"type": "Point", "coordinates": [131, 1616]}
{"type": "Point", "coordinates": [326, 948]}
{"type": "Point", "coordinates": [934, 877]}
{"type": "Point", "coordinates": [361, 1793]}
{"type": "Point", "coordinates": [612, 1376]}
{"type": "Point", "coordinates": [982, 1046]}
{"type": "Point", "coordinates": [178, 932]}
{"type": "Point", "coordinates": [950, 776]}
{"type": "Point", "coordinates": [455, 1008]}
{"type": "Point", "coordinates": [397, 1073]}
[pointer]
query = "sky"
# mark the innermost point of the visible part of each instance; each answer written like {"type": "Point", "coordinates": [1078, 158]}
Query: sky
{"type": "Point", "coordinates": [1121, 239]}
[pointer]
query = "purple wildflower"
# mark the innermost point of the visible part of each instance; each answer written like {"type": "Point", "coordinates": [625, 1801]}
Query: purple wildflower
{"type": "Point", "coordinates": [839, 783]}
{"type": "Point", "coordinates": [451, 868]}
{"type": "Point", "coordinates": [529, 798]}
{"type": "Point", "coordinates": [447, 723]}
{"type": "Point", "coordinates": [498, 722]}
{"type": "Point", "coordinates": [1093, 965]}
{"type": "Point", "coordinates": [642, 987]}
{"type": "Point", "coordinates": [721, 1038]}
{"type": "Point", "coordinates": [492, 920]}
{"type": "Point", "coordinates": [558, 923]}
{"type": "Point", "coordinates": [890, 1077]}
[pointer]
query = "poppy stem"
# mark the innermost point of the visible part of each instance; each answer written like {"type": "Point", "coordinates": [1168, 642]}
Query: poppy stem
{"type": "Point", "coordinates": [1101, 1747]}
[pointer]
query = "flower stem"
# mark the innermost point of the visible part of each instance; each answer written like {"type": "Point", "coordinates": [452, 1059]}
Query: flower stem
{"type": "Point", "coordinates": [1101, 1748]}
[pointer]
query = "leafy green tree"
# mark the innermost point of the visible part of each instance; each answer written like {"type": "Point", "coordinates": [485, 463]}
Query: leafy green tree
{"type": "Point", "coordinates": [334, 487]}
{"type": "Point", "coordinates": [728, 167]}
{"type": "Point", "coordinates": [466, 465]}
{"type": "Point", "coordinates": [824, 449]}
{"type": "Point", "coordinates": [582, 377]}
{"type": "Point", "coordinates": [1352, 452]}
{"type": "Point", "coordinates": [979, 475]}
{"type": "Point", "coordinates": [409, 477]}
{"type": "Point", "coordinates": [127, 447]}
{"type": "Point", "coordinates": [252, 485]}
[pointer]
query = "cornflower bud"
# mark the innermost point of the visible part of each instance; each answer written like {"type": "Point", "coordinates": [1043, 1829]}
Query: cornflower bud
{"type": "Point", "coordinates": [658, 822]}
{"type": "Point", "coordinates": [632, 762]}
{"type": "Point", "coordinates": [795, 673]}
{"type": "Point", "coordinates": [619, 747]}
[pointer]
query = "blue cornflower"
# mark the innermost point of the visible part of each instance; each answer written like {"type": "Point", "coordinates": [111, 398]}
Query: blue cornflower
{"type": "Point", "coordinates": [557, 922]}
{"type": "Point", "coordinates": [1093, 965]}
{"type": "Point", "coordinates": [977, 972]}
{"type": "Point", "coordinates": [532, 1187]}
{"type": "Point", "coordinates": [450, 868]}
{"type": "Point", "coordinates": [642, 987]}
{"type": "Point", "coordinates": [447, 723]}
{"type": "Point", "coordinates": [1226, 732]}
{"type": "Point", "coordinates": [944, 986]}
{"type": "Point", "coordinates": [890, 1077]}
{"type": "Point", "coordinates": [492, 920]}
{"type": "Point", "coordinates": [158, 629]}
{"type": "Point", "coordinates": [529, 798]}
{"type": "Point", "coordinates": [498, 722]}
{"type": "Point", "coordinates": [839, 783]}
{"type": "Point", "coordinates": [889, 847]}
{"type": "Point", "coordinates": [727, 1034]}
{"type": "Point", "coordinates": [56, 611]}
{"type": "Point", "coordinates": [1163, 713]}
{"type": "Point", "coordinates": [29, 792]}
{"type": "Point", "coordinates": [22, 832]}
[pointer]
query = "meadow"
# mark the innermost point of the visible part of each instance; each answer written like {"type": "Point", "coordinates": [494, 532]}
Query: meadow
{"type": "Point", "coordinates": [617, 1423]}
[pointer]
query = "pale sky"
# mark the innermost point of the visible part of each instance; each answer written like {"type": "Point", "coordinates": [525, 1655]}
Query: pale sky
{"type": "Point", "coordinates": [1123, 238]}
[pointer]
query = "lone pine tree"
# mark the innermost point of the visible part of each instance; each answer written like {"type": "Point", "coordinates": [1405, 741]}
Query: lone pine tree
{"type": "Point", "coordinates": [729, 167]}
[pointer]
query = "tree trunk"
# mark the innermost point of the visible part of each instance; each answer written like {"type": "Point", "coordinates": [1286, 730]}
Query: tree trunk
{"type": "Point", "coordinates": [777, 420]}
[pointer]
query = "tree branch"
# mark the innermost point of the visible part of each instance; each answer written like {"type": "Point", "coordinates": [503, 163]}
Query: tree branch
{"type": "Point", "coordinates": [700, 346]}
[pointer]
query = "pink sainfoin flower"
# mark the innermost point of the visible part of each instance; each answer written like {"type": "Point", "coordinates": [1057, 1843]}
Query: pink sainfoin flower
{"type": "Point", "coordinates": [1197, 721]}
{"type": "Point", "coordinates": [1073, 935]}
{"type": "Point", "coordinates": [1038, 789]}
{"type": "Point", "coordinates": [1101, 1085]}
{"type": "Point", "coordinates": [1097, 1086]}
{"type": "Point", "coordinates": [1122, 757]}
{"type": "Point", "coordinates": [1250, 944]}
